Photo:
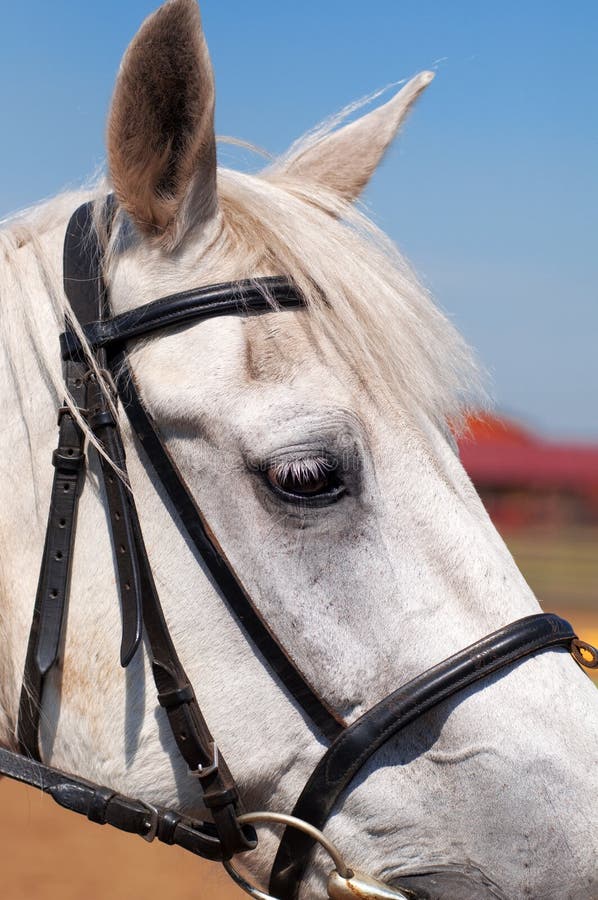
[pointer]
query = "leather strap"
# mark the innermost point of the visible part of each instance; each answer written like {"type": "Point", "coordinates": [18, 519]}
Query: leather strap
{"type": "Point", "coordinates": [356, 745]}
{"type": "Point", "coordinates": [107, 337]}
{"type": "Point", "coordinates": [85, 289]}
{"type": "Point", "coordinates": [351, 747]}
{"type": "Point", "coordinates": [105, 429]}
{"type": "Point", "coordinates": [215, 559]}
{"type": "Point", "coordinates": [46, 637]}
{"type": "Point", "coordinates": [189, 728]}
{"type": "Point", "coordinates": [107, 807]}
{"type": "Point", "coordinates": [245, 297]}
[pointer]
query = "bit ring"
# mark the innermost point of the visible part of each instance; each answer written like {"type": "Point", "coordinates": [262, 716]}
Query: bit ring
{"type": "Point", "coordinates": [290, 821]}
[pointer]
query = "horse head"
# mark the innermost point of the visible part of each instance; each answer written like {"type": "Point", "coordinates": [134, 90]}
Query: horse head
{"type": "Point", "coordinates": [319, 443]}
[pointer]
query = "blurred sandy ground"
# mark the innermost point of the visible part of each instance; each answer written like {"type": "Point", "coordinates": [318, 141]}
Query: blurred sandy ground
{"type": "Point", "coordinates": [49, 854]}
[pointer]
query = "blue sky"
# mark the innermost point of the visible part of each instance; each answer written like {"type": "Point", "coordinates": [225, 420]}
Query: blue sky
{"type": "Point", "coordinates": [492, 190]}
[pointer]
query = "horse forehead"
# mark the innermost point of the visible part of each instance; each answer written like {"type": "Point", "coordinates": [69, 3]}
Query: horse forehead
{"type": "Point", "coordinates": [279, 345]}
{"type": "Point", "coordinates": [236, 368]}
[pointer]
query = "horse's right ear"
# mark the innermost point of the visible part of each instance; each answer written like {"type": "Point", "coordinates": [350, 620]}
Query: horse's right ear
{"type": "Point", "coordinates": [161, 142]}
{"type": "Point", "coordinates": [345, 160]}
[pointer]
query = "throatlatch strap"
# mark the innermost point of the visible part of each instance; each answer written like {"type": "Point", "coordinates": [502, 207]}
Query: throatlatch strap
{"type": "Point", "coordinates": [83, 285]}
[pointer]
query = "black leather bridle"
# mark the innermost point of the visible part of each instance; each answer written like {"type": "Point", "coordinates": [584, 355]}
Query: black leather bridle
{"type": "Point", "coordinates": [88, 366]}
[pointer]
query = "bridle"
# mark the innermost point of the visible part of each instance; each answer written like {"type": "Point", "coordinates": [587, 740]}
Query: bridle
{"type": "Point", "coordinates": [90, 364]}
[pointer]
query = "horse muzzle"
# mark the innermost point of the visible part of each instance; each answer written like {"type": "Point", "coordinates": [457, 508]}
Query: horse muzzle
{"type": "Point", "coordinates": [449, 883]}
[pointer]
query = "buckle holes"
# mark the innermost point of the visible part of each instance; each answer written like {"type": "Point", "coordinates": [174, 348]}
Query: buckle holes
{"type": "Point", "coordinates": [62, 523]}
{"type": "Point", "coordinates": [70, 451]}
{"type": "Point", "coordinates": [117, 516]}
{"type": "Point", "coordinates": [58, 555]}
{"type": "Point", "coordinates": [183, 735]}
{"type": "Point", "coordinates": [54, 593]}
{"type": "Point", "coordinates": [127, 586]}
{"type": "Point", "coordinates": [66, 488]}
{"type": "Point", "coordinates": [122, 549]}
{"type": "Point", "coordinates": [78, 382]}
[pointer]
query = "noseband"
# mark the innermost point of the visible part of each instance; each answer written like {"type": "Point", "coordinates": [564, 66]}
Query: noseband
{"type": "Point", "coordinates": [94, 353]}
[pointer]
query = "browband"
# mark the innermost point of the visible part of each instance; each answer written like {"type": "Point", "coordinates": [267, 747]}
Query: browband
{"type": "Point", "coordinates": [246, 297]}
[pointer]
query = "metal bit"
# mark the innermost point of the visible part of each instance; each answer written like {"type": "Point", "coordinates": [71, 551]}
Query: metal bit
{"type": "Point", "coordinates": [363, 887]}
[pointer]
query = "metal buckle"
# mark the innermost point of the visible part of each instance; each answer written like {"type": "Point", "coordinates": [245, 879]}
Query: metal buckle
{"type": "Point", "coordinates": [154, 821]}
{"type": "Point", "coordinates": [67, 411]}
{"type": "Point", "coordinates": [205, 771]}
{"type": "Point", "coordinates": [106, 376]}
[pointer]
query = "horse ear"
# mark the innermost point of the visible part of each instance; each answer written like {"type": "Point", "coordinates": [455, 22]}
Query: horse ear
{"type": "Point", "coordinates": [345, 160]}
{"type": "Point", "coordinates": [161, 142]}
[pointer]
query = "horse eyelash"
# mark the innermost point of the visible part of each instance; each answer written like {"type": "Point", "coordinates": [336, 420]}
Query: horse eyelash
{"type": "Point", "coordinates": [302, 471]}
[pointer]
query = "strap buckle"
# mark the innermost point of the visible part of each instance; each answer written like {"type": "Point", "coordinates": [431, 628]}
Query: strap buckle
{"type": "Point", "coordinates": [67, 411]}
{"type": "Point", "coordinates": [205, 771]}
{"type": "Point", "coordinates": [154, 821]}
{"type": "Point", "coordinates": [107, 379]}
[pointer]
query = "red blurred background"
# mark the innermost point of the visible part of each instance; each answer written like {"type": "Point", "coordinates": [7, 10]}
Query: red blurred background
{"type": "Point", "coordinates": [543, 498]}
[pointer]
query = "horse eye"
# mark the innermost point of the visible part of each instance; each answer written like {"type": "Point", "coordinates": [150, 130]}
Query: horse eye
{"type": "Point", "coordinates": [306, 479]}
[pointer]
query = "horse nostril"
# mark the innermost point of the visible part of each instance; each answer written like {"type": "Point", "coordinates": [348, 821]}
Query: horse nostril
{"type": "Point", "coordinates": [450, 883]}
{"type": "Point", "coordinates": [407, 888]}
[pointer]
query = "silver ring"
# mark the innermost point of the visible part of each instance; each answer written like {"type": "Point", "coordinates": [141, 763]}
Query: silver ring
{"type": "Point", "coordinates": [283, 819]}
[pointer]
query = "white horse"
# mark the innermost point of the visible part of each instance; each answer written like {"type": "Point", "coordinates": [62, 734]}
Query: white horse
{"type": "Point", "coordinates": [352, 400]}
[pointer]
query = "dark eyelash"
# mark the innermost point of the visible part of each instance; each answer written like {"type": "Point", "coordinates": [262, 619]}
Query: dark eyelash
{"type": "Point", "coordinates": [303, 470]}
{"type": "Point", "coordinates": [291, 480]}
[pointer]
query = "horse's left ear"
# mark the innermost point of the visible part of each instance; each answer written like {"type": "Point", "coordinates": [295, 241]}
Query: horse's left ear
{"type": "Point", "coordinates": [345, 160]}
{"type": "Point", "coordinates": [161, 143]}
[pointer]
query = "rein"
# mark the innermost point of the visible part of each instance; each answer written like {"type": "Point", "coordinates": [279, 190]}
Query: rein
{"type": "Point", "coordinates": [231, 832]}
